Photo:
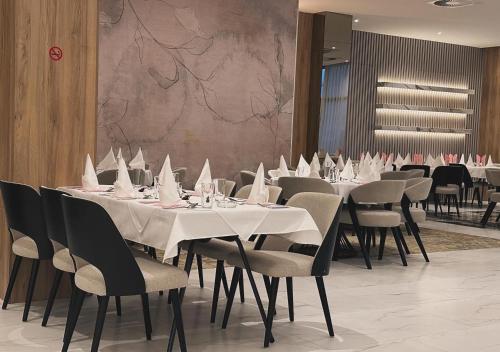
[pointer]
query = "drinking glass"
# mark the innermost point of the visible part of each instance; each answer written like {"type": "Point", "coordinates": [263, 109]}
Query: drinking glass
{"type": "Point", "coordinates": [156, 186]}
{"type": "Point", "coordinates": [207, 194]}
{"type": "Point", "coordinates": [220, 189]}
{"type": "Point", "coordinates": [179, 188]}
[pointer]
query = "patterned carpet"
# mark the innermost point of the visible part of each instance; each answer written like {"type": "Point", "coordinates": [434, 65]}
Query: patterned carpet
{"type": "Point", "coordinates": [469, 216]}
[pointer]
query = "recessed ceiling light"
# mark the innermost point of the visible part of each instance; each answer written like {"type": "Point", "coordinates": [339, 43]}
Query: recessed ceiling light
{"type": "Point", "coordinates": [439, 33]}
{"type": "Point", "coordinates": [333, 47]}
{"type": "Point", "coordinates": [346, 60]}
{"type": "Point", "coordinates": [356, 20]}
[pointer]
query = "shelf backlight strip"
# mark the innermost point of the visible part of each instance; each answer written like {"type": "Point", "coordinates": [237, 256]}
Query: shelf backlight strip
{"type": "Point", "coordinates": [382, 111]}
{"type": "Point", "coordinates": [422, 93]}
{"type": "Point", "coordinates": [446, 86]}
{"type": "Point", "coordinates": [441, 135]}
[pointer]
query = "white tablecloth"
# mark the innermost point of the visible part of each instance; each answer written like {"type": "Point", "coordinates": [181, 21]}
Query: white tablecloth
{"type": "Point", "coordinates": [151, 225]}
{"type": "Point", "coordinates": [342, 188]}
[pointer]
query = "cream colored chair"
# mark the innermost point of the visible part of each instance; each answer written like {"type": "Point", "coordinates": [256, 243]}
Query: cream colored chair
{"type": "Point", "coordinates": [181, 173]}
{"type": "Point", "coordinates": [293, 185]}
{"type": "Point", "coordinates": [325, 210]}
{"type": "Point", "coordinates": [401, 175]}
{"type": "Point", "coordinates": [493, 178]}
{"type": "Point", "coordinates": [366, 215]}
{"type": "Point", "coordinates": [107, 177]}
{"type": "Point", "coordinates": [247, 177]}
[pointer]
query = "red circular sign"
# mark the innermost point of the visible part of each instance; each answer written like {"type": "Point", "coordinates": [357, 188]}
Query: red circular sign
{"type": "Point", "coordinates": [55, 53]}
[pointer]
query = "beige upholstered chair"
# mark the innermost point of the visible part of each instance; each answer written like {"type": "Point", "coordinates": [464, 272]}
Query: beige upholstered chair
{"type": "Point", "coordinates": [366, 215]}
{"type": "Point", "coordinates": [293, 185]}
{"type": "Point", "coordinates": [401, 175]}
{"type": "Point", "coordinates": [325, 210]}
{"type": "Point", "coordinates": [417, 190]}
{"type": "Point", "coordinates": [274, 193]}
{"type": "Point", "coordinates": [107, 177]}
{"type": "Point", "coordinates": [493, 178]}
{"type": "Point", "coordinates": [229, 188]}
{"type": "Point", "coordinates": [181, 173]}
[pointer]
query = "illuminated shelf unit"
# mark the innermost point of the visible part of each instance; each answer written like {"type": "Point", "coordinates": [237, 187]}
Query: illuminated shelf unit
{"type": "Point", "coordinates": [425, 87]}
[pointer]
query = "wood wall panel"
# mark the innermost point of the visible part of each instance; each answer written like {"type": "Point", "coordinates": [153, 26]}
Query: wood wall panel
{"type": "Point", "coordinates": [307, 97]}
{"type": "Point", "coordinates": [52, 122]}
{"type": "Point", "coordinates": [490, 105]}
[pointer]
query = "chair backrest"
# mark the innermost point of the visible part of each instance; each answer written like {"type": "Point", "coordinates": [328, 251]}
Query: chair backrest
{"type": "Point", "coordinates": [93, 237]}
{"type": "Point", "coordinates": [229, 188]}
{"type": "Point", "coordinates": [426, 168]}
{"type": "Point", "coordinates": [135, 176]}
{"type": "Point", "coordinates": [416, 173]}
{"type": "Point", "coordinates": [181, 173]}
{"type": "Point", "coordinates": [467, 178]}
{"type": "Point", "coordinates": [54, 218]}
{"type": "Point", "coordinates": [493, 177]}
{"type": "Point", "coordinates": [396, 175]}
{"type": "Point", "coordinates": [247, 177]}
{"type": "Point", "coordinates": [379, 192]}
{"type": "Point", "coordinates": [325, 209]}
{"type": "Point", "coordinates": [293, 185]}
{"type": "Point", "coordinates": [447, 175]}
{"type": "Point", "coordinates": [107, 177]}
{"type": "Point", "coordinates": [23, 208]}
{"type": "Point", "coordinates": [274, 193]}
{"type": "Point", "coordinates": [418, 191]}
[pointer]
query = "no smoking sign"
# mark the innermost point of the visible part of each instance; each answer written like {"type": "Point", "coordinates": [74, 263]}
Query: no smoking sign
{"type": "Point", "coordinates": [55, 53]}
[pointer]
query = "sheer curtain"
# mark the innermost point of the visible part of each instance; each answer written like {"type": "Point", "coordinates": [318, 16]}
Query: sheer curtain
{"type": "Point", "coordinates": [333, 114]}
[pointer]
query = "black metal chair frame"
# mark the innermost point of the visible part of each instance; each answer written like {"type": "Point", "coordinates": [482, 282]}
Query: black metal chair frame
{"type": "Point", "coordinates": [444, 176]}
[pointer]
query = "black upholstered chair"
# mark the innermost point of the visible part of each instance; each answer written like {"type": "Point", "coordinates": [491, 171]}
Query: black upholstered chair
{"type": "Point", "coordinates": [447, 182]}
{"type": "Point", "coordinates": [467, 185]}
{"type": "Point", "coordinates": [28, 234]}
{"type": "Point", "coordinates": [104, 272]}
{"type": "Point", "coordinates": [426, 168]}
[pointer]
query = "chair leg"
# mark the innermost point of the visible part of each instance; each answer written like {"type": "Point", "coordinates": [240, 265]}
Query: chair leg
{"type": "Point", "coordinates": [176, 305]}
{"type": "Point", "coordinates": [324, 302]}
{"type": "Point", "coordinates": [448, 202]}
{"type": "Point", "coordinates": [418, 239]}
{"type": "Point", "coordinates": [436, 203]}
{"type": "Point", "coordinates": [361, 241]}
{"type": "Point", "coordinates": [289, 291]}
{"type": "Point", "coordinates": [147, 316]}
{"type": "Point", "coordinates": [232, 291]}
{"type": "Point", "coordinates": [31, 288]}
{"type": "Point", "coordinates": [199, 263]}
{"type": "Point", "coordinates": [368, 238]}
{"type": "Point", "coordinates": [99, 324]}
{"type": "Point", "coordinates": [118, 303]}
{"type": "Point", "coordinates": [403, 242]}
{"type": "Point", "coordinates": [224, 281]}
{"type": "Point", "coordinates": [498, 218]}
{"type": "Point", "coordinates": [52, 296]}
{"type": "Point", "coordinates": [76, 303]}
{"type": "Point", "coordinates": [383, 235]}
{"type": "Point", "coordinates": [272, 306]}
{"type": "Point", "coordinates": [217, 283]}
{"type": "Point", "coordinates": [242, 289]}
{"type": "Point", "coordinates": [398, 244]}
{"type": "Point", "coordinates": [455, 199]}
{"type": "Point", "coordinates": [488, 212]}
{"type": "Point", "coordinates": [12, 280]}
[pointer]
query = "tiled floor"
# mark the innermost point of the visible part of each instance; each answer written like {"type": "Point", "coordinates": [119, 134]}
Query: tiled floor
{"type": "Point", "coordinates": [451, 304]}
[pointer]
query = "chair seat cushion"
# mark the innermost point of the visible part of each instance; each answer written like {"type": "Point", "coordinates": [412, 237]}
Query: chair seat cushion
{"type": "Point", "coordinates": [378, 218]}
{"type": "Point", "coordinates": [217, 248]}
{"type": "Point", "coordinates": [450, 189]}
{"type": "Point", "coordinates": [25, 247]}
{"type": "Point", "coordinates": [62, 260]}
{"type": "Point", "coordinates": [417, 214]}
{"type": "Point", "coordinates": [495, 197]}
{"type": "Point", "coordinates": [276, 263]}
{"type": "Point", "coordinates": [157, 277]}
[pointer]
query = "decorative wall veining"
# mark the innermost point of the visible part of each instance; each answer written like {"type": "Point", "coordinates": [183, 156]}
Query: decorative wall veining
{"type": "Point", "coordinates": [197, 79]}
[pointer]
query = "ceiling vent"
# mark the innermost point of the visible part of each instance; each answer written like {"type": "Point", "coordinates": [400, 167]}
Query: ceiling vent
{"type": "Point", "coordinates": [452, 4]}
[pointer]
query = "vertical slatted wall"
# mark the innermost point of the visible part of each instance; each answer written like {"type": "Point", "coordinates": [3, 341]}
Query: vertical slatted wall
{"type": "Point", "coordinates": [381, 58]}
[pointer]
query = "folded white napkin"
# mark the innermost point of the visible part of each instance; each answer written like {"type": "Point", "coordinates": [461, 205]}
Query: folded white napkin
{"type": "Point", "coordinates": [364, 171]}
{"type": "Point", "coordinates": [108, 163]}
{"type": "Point", "coordinates": [437, 162]}
{"type": "Point", "coordinates": [123, 185]}
{"type": "Point", "coordinates": [490, 162]}
{"type": "Point", "coordinates": [347, 172]}
{"type": "Point", "coordinates": [380, 166]}
{"type": "Point", "coordinates": [389, 162]}
{"type": "Point", "coordinates": [166, 164]}
{"type": "Point", "coordinates": [470, 161]}
{"type": "Point", "coordinates": [138, 161]}
{"type": "Point", "coordinates": [399, 161]}
{"type": "Point", "coordinates": [407, 160]}
{"type": "Point", "coordinates": [303, 168]}
{"type": "Point", "coordinates": [205, 177]}
{"type": "Point", "coordinates": [368, 158]}
{"type": "Point", "coordinates": [376, 158]}
{"type": "Point", "coordinates": [259, 192]}
{"type": "Point", "coordinates": [340, 163]}
{"type": "Point", "coordinates": [168, 188]}
{"type": "Point", "coordinates": [283, 169]}
{"type": "Point", "coordinates": [89, 178]}
{"type": "Point", "coordinates": [429, 161]}
{"type": "Point", "coordinates": [119, 155]}
{"type": "Point", "coordinates": [443, 162]}
{"type": "Point", "coordinates": [315, 166]}
{"type": "Point", "coordinates": [328, 161]}
{"type": "Point", "coordinates": [462, 160]}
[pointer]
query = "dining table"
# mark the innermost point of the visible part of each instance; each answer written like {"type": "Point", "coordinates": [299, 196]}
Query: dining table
{"type": "Point", "coordinates": [146, 221]}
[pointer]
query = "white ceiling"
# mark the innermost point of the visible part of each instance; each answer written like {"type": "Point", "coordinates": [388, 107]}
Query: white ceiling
{"type": "Point", "coordinates": [477, 25]}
